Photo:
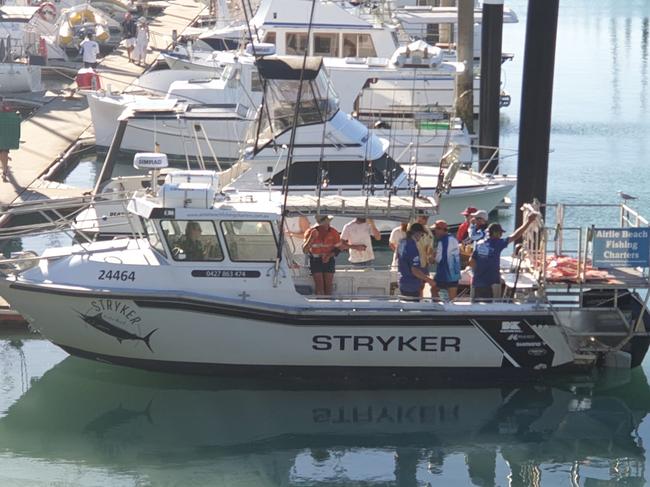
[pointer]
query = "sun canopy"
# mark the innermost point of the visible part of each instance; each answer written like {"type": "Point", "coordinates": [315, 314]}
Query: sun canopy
{"type": "Point", "coordinates": [288, 67]}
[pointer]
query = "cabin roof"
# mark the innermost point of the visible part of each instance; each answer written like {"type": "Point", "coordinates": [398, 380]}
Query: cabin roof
{"type": "Point", "coordinates": [296, 13]}
{"type": "Point", "coordinates": [289, 67]}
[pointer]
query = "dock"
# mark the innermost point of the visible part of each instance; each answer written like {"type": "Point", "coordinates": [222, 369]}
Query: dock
{"type": "Point", "coordinates": [64, 117]}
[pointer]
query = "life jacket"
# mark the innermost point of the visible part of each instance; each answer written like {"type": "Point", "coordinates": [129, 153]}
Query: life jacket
{"type": "Point", "coordinates": [323, 244]}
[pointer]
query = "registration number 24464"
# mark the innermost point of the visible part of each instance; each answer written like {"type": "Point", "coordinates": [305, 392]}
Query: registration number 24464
{"type": "Point", "coordinates": [116, 275]}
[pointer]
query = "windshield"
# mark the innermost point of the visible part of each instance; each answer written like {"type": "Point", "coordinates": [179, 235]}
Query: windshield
{"type": "Point", "coordinates": [319, 103]}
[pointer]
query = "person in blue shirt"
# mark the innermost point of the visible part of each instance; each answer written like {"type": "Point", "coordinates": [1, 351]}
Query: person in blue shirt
{"type": "Point", "coordinates": [447, 257]}
{"type": "Point", "coordinates": [412, 275]}
{"type": "Point", "coordinates": [486, 260]}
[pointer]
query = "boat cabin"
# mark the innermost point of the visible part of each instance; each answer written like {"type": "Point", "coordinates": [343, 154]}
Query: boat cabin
{"type": "Point", "coordinates": [188, 224]}
{"type": "Point", "coordinates": [335, 31]}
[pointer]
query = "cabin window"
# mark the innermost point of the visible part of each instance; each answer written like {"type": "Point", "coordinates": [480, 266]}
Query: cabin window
{"type": "Point", "coordinates": [358, 45]}
{"type": "Point", "coordinates": [256, 82]}
{"type": "Point", "coordinates": [153, 237]}
{"type": "Point", "coordinates": [326, 45]}
{"type": "Point", "coordinates": [433, 34]}
{"type": "Point", "coordinates": [269, 38]}
{"type": "Point", "coordinates": [342, 173]}
{"type": "Point", "coordinates": [366, 47]}
{"type": "Point", "coordinates": [349, 45]}
{"type": "Point", "coordinates": [191, 240]}
{"type": "Point", "coordinates": [296, 43]}
{"type": "Point", "coordinates": [249, 241]}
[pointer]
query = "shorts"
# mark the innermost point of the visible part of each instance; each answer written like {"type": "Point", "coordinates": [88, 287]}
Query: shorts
{"type": "Point", "coordinates": [129, 42]}
{"type": "Point", "coordinates": [482, 293]}
{"type": "Point", "coordinates": [317, 266]}
{"type": "Point", "coordinates": [446, 285]}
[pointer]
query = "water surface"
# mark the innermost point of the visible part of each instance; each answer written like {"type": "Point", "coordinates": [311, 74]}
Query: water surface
{"type": "Point", "coordinates": [65, 421]}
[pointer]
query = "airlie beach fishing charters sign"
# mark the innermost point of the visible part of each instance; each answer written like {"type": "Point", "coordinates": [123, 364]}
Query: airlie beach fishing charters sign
{"type": "Point", "coordinates": [621, 247]}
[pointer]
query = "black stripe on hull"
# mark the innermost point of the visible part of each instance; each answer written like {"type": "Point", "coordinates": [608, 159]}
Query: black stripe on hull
{"type": "Point", "coordinates": [372, 319]}
{"type": "Point", "coordinates": [359, 377]}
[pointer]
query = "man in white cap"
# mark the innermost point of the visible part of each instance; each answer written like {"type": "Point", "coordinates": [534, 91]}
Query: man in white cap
{"type": "Point", "coordinates": [478, 225]}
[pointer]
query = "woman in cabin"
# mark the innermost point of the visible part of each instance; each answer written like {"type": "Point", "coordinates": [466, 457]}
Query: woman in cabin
{"type": "Point", "coordinates": [322, 244]}
{"type": "Point", "coordinates": [190, 243]}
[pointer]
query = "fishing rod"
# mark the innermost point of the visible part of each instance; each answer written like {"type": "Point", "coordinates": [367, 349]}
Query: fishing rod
{"type": "Point", "coordinates": [292, 140]}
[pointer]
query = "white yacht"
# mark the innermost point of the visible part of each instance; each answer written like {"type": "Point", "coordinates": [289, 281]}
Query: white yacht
{"type": "Point", "coordinates": [197, 117]}
{"type": "Point", "coordinates": [403, 98]}
{"type": "Point", "coordinates": [414, 125]}
{"type": "Point", "coordinates": [241, 305]}
{"type": "Point", "coordinates": [439, 25]}
{"type": "Point", "coordinates": [333, 153]}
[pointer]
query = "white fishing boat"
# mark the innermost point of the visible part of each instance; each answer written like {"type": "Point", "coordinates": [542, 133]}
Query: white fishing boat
{"type": "Point", "coordinates": [242, 306]}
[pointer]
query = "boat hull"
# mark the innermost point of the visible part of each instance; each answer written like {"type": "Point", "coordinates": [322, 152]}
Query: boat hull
{"type": "Point", "coordinates": [183, 334]}
{"type": "Point", "coordinates": [177, 137]}
{"type": "Point", "coordinates": [17, 77]}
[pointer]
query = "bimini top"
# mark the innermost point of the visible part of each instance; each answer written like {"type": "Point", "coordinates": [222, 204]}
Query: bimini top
{"type": "Point", "coordinates": [289, 67]}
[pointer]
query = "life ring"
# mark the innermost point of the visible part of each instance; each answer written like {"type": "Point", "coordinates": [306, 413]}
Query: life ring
{"type": "Point", "coordinates": [47, 11]}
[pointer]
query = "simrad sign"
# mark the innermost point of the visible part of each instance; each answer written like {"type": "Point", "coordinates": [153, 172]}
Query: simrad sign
{"type": "Point", "coordinates": [621, 247]}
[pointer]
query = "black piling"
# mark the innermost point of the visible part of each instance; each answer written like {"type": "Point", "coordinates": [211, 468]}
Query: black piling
{"type": "Point", "coordinates": [465, 80]}
{"type": "Point", "coordinates": [491, 40]}
{"type": "Point", "coordinates": [536, 102]}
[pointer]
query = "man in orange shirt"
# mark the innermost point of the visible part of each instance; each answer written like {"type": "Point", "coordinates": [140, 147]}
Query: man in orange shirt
{"type": "Point", "coordinates": [322, 244]}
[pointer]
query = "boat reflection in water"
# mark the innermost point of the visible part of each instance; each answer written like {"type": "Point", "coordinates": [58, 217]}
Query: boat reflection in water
{"type": "Point", "coordinates": [196, 431]}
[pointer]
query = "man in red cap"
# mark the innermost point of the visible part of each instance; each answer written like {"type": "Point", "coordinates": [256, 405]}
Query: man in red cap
{"type": "Point", "coordinates": [463, 229]}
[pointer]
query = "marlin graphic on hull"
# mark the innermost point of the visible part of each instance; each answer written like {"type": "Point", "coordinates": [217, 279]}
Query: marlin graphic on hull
{"type": "Point", "coordinates": [100, 323]}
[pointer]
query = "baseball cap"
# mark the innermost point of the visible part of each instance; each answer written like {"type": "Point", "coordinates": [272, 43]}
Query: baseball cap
{"type": "Point", "coordinates": [324, 218]}
{"type": "Point", "coordinates": [480, 214]}
{"type": "Point", "coordinates": [495, 227]}
{"type": "Point", "coordinates": [441, 225]}
{"type": "Point", "coordinates": [469, 211]}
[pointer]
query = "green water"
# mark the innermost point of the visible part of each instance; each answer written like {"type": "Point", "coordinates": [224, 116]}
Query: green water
{"type": "Point", "coordinates": [68, 422]}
